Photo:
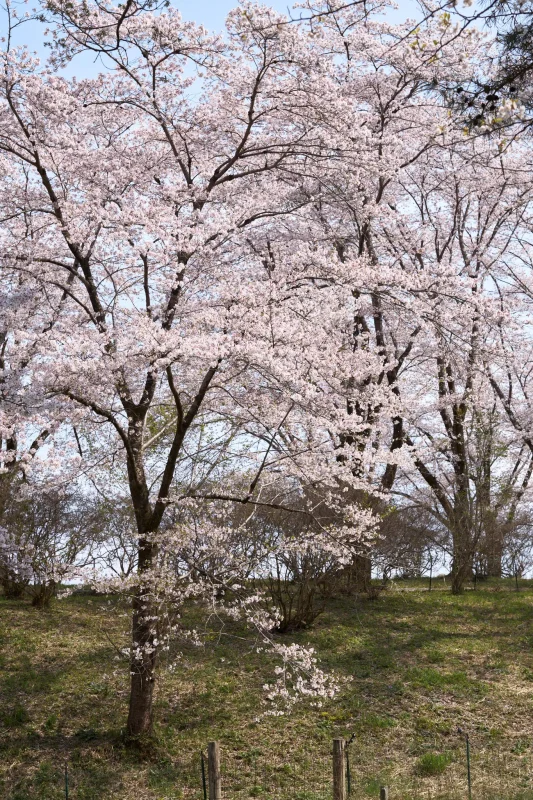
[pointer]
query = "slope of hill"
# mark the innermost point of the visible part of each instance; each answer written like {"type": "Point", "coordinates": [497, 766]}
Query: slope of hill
{"type": "Point", "coordinates": [419, 665]}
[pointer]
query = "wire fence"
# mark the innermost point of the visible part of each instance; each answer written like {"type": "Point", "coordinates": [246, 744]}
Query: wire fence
{"type": "Point", "coordinates": [464, 772]}
{"type": "Point", "coordinates": [254, 775]}
{"type": "Point", "coordinates": [488, 774]}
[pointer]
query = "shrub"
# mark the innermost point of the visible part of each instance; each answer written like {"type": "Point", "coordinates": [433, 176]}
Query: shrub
{"type": "Point", "coordinates": [433, 763]}
{"type": "Point", "coordinates": [15, 717]}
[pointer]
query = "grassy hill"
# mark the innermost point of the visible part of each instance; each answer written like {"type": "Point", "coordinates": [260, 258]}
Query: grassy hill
{"type": "Point", "coordinates": [420, 664]}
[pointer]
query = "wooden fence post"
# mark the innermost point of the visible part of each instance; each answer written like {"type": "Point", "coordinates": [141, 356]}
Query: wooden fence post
{"type": "Point", "coordinates": [213, 771]}
{"type": "Point", "coordinates": [384, 793]}
{"type": "Point", "coordinates": [339, 771]}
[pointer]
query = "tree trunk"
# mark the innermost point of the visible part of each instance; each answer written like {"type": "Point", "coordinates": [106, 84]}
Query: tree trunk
{"type": "Point", "coordinates": [145, 610]}
{"type": "Point", "coordinates": [144, 648]}
{"type": "Point", "coordinates": [43, 594]}
{"type": "Point", "coordinates": [462, 559]}
{"type": "Point", "coordinates": [143, 664]}
{"type": "Point", "coordinates": [13, 590]}
{"type": "Point", "coordinates": [359, 574]}
{"type": "Point", "coordinates": [494, 553]}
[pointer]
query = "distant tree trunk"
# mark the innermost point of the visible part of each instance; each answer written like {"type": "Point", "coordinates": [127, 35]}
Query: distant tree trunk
{"type": "Point", "coordinates": [463, 556]}
{"type": "Point", "coordinates": [359, 574]}
{"type": "Point", "coordinates": [461, 572]}
{"type": "Point", "coordinates": [494, 552]}
{"type": "Point", "coordinates": [491, 540]}
{"type": "Point", "coordinates": [12, 589]}
{"type": "Point", "coordinates": [461, 519]}
{"type": "Point", "coordinates": [43, 594]}
{"type": "Point", "coordinates": [494, 566]}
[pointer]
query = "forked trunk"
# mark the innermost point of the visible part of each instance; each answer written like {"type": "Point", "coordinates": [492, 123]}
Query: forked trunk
{"type": "Point", "coordinates": [43, 594]}
{"type": "Point", "coordinates": [459, 577]}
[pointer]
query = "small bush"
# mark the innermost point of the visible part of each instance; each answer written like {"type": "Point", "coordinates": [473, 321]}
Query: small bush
{"type": "Point", "coordinates": [433, 763]}
{"type": "Point", "coordinates": [15, 717]}
{"type": "Point", "coordinates": [51, 722]}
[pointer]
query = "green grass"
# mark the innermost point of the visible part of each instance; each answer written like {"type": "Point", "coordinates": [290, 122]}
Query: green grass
{"type": "Point", "coordinates": [433, 763]}
{"type": "Point", "coordinates": [418, 665]}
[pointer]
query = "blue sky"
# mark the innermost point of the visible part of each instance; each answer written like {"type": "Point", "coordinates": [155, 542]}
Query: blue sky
{"type": "Point", "coordinates": [211, 13]}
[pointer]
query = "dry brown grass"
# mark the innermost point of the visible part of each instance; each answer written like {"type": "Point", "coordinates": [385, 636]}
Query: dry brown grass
{"type": "Point", "coordinates": [420, 665]}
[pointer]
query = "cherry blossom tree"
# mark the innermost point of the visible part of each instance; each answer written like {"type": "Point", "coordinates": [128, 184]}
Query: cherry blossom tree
{"type": "Point", "coordinates": [402, 216]}
{"type": "Point", "coordinates": [440, 226]}
{"type": "Point", "coordinates": [468, 205]}
{"type": "Point", "coordinates": [152, 213]}
{"type": "Point", "coordinates": [206, 224]}
{"type": "Point", "coordinates": [23, 434]}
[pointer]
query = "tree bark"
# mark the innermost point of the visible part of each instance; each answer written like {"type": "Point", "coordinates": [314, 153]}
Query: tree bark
{"type": "Point", "coordinates": [493, 547]}
{"type": "Point", "coordinates": [144, 650]}
{"type": "Point", "coordinates": [359, 574]}
{"type": "Point", "coordinates": [462, 558]}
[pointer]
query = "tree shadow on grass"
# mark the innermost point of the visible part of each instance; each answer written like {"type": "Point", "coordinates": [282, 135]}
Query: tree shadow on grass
{"type": "Point", "coordinates": [89, 759]}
